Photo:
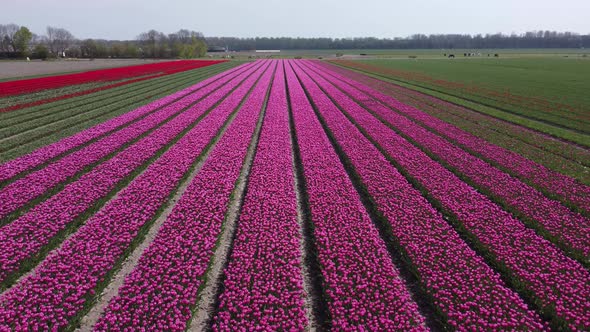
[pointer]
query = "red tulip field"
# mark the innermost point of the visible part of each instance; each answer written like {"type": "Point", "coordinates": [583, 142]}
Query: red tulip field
{"type": "Point", "coordinates": [280, 195]}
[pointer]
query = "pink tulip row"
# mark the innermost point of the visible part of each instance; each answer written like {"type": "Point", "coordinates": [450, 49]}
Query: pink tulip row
{"type": "Point", "coordinates": [62, 284]}
{"type": "Point", "coordinates": [27, 235]}
{"type": "Point", "coordinates": [29, 161]}
{"type": "Point", "coordinates": [570, 228]}
{"type": "Point", "coordinates": [557, 283]}
{"type": "Point", "coordinates": [543, 178]}
{"type": "Point", "coordinates": [362, 284]}
{"type": "Point", "coordinates": [23, 190]}
{"type": "Point", "coordinates": [162, 289]}
{"type": "Point", "coordinates": [468, 293]}
{"type": "Point", "coordinates": [264, 286]}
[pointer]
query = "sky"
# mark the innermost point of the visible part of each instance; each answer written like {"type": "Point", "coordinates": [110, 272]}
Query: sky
{"type": "Point", "coordinates": [126, 19]}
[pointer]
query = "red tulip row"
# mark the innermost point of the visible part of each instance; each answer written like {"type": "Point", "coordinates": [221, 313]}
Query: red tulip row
{"type": "Point", "coordinates": [34, 185]}
{"type": "Point", "coordinates": [29, 161]}
{"type": "Point", "coordinates": [552, 182]}
{"type": "Point", "coordinates": [60, 287]}
{"type": "Point", "coordinates": [75, 94]}
{"type": "Point", "coordinates": [557, 284]}
{"type": "Point", "coordinates": [162, 289]}
{"type": "Point", "coordinates": [27, 235]}
{"type": "Point", "coordinates": [569, 228]}
{"type": "Point", "coordinates": [263, 289]}
{"type": "Point", "coordinates": [362, 284]}
{"type": "Point", "coordinates": [467, 292]}
{"type": "Point", "coordinates": [12, 88]}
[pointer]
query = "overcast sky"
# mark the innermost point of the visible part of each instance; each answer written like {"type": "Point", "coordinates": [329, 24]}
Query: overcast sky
{"type": "Point", "coordinates": [125, 19]}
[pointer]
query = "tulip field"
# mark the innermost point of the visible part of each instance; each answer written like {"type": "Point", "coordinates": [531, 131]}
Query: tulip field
{"type": "Point", "coordinates": [122, 76]}
{"type": "Point", "coordinates": [282, 195]}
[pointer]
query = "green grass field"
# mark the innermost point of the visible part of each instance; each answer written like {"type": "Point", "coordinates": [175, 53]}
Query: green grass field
{"type": "Point", "coordinates": [554, 78]}
{"type": "Point", "coordinates": [546, 93]}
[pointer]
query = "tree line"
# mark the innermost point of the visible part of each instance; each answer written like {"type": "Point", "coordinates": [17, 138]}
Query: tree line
{"type": "Point", "coordinates": [533, 39]}
{"type": "Point", "coordinates": [19, 42]}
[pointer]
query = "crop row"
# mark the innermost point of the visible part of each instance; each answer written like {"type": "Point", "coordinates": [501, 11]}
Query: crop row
{"type": "Point", "coordinates": [555, 114]}
{"type": "Point", "coordinates": [362, 284]}
{"type": "Point", "coordinates": [532, 264]}
{"type": "Point", "coordinates": [37, 116]}
{"type": "Point", "coordinates": [53, 132]}
{"type": "Point", "coordinates": [27, 235]}
{"type": "Point", "coordinates": [75, 94]}
{"type": "Point", "coordinates": [29, 131]}
{"type": "Point", "coordinates": [265, 265]}
{"type": "Point", "coordinates": [547, 180]}
{"type": "Point", "coordinates": [312, 199]}
{"type": "Point", "coordinates": [29, 161]}
{"type": "Point", "coordinates": [61, 285]}
{"type": "Point", "coordinates": [555, 154]}
{"type": "Point", "coordinates": [25, 189]}
{"type": "Point", "coordinates": [47, 94]}
{"type": "Point", "coordinates": [558, 221]}
{"type": "Point", "coordinates": [113, 74]}
{"type": "Point", "coordinates": [466, 291]}
{"type": "Point", "coordinates": [181, 252]}
{"type": "Point", "coordinates": [61, 106]}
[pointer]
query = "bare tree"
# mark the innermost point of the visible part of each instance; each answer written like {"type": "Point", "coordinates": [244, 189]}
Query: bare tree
{"type": "Point", "coordinates": [7, 32]}
{"type": "Point", "coordinates": [186, 36]}
{"type": "Point", "coordinates": [51, 39]}
{"type": "Point", "coordinates": [151, 41]}
{"type": "Point", "coordinates": [3, 42]}
{"type": "Point", "coordinates": [59, 39]}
